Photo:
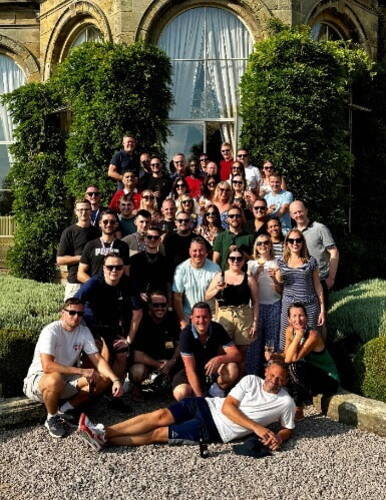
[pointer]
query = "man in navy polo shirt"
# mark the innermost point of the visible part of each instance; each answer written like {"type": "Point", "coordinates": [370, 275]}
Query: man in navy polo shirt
{"type": "Point", "coordinates": [209, 355]}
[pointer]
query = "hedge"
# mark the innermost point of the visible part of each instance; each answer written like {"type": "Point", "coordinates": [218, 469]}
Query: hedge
{"type": "Point", "coordinates": [370, 367]}
{"type": "Point", "coordinates": [358, 309]}
{"type": "Point", "coordinates": [26, 306]}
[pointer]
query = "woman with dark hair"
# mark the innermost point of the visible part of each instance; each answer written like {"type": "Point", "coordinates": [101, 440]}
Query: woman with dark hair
{"type": "Point", "coordinates": [194, 179]}
{"type": "Point", "coordinates": [301, 283]}
{"type": "Point", "coordinates": [311, 368]}
{"type": "Point", "coordinates": [210, 226]}
{"type": "Point", "coordinates": [179, 188]}
{"type": "Point", "coordinates": [238, 188]}
{"type": "Point", "coordinates": [207, 190]}
{"type": "Point", "coordinates": [266, 171]}
{"type": "Point", "coordinates": [237, 168]}
{"type": "Point", "coordinates": [277, 236]}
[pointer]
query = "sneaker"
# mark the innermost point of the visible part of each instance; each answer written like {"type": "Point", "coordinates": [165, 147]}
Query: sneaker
{"type": "Point", "coordinates": [92, 434]}
{"type": "Point", "coordinates": [71, 417]}
{"type": "Point", "coordinates": [55, 426]}
{"type": "Point", "coordinates": [216, 391]}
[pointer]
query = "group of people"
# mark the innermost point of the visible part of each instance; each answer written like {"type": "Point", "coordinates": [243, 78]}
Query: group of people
{"type": "Point", "coordinates": [212, 281]}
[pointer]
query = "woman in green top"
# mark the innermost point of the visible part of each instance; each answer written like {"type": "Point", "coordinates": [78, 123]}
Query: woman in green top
{"type": "Point", "coordinates": [311, 368]}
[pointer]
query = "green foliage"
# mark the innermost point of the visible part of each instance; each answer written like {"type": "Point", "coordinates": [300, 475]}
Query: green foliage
{"type": "Point", "coordinates": [25, 308]}
{"type": "Point", "coordinates": [359, 309]}
{"type": "Point", "coordinates": [112, 89]}
{"type": "Point", "coordinates": [370, 367]}
{"type": "Point", "coordinates": [294, 98]}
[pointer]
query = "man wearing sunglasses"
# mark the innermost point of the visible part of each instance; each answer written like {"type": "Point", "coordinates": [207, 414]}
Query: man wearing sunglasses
{"type": "Point", "coordinates": [252, 173]}
{"type": "Point", "coordinates": [124, 160]}
{"type": "Point", "coordinates": [72, 242]}
{"type": "Point", "coordinates": [168, 210]}
{"type": "Point", "coordinates": [235, 235]}
{"type": "Point", "coordinates": [93, 195]}
{"type": "Point", "coordinates": [148, 269]}
{"type": "Point", "coordinates": [157, 180]}
{"type": "Point", "coordinates": [113, 311]}
{"type": "Point", "coordinates": [226, 162]}
{"type": "Point", "coordinates": [54, 374]}
{"type": "Point", "coordinates": [91, 261]}
{"type": "Point", "coordinates": [156, 343]}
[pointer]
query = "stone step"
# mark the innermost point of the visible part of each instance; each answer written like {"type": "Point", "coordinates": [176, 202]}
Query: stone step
{"type": "Point", "coordinates": [20, 411]}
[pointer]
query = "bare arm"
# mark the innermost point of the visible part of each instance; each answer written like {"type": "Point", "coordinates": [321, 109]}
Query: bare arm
{"type": "Point", "coordinates": [191, 374]}
{"type": "Point", "coordinates": [65, 260]}
{"type": "Point", "coordinates": [113, 173]}
{"type": "Point", "coordinates": [216, 257]}
{"type": "Point", "coordinates": [254, 288]}
{"type": "Point", "coordinates": [319, 294]}
{"type": "Point", "coordinates": [282, 210]}
{"type": "Point", "coordinates": [179, 308]}
{"type": "Point", "coordinates": [333, 268]}
{"type": "Point", "coordinates": [295, 350]}
{"type": "Point", "coordinates": [104, 369]}
{"type": "Point", "coordinates": [82, 274]}
{"type": "Point", "coordinates": [214, 287]}
{"type": "Point", "coordinates": [232, 355]}
{"type": "Point", "coordinates": [135, 321]}
{"type": "Point", "coordinates": [49, 365]}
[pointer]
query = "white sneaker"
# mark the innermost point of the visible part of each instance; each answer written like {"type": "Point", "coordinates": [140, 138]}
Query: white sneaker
{"type": "Point", "coordinates": [92, 434]}
{"type": "Point", "coordinates": [216, 391]}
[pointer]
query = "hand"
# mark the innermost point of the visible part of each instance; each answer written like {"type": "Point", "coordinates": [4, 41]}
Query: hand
{"type": "Point", "coordinates": [183, 323]}
{"type": "Point", "coordinates": [321, 318]}
{"type": "Point", "coordinates": [120, 343]}
{"type": "Point", "coordinates": [212, 366]}
{"type": "Point", "coordinates": [144, 296]}
{"type": "Point", "coordinates": [117, 389]}
{"type": "Point", "coordinates": [253, 330]}
{"type": "Point", "coordinates": [165, 366]}
{"type": "Point", "coordinates": [267, 437]}
{"type": "Point", "coordinates": [279, 442]}
{"type": "Point", "coordinates": [90, 374]}
{"type": "Point", "coordinates": [329, 282]}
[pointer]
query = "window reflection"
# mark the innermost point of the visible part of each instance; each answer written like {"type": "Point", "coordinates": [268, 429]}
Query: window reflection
{"type": "Point", "coordinates": [324, 32]}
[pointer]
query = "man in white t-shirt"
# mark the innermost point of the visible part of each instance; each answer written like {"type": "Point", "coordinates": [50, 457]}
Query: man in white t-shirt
{"type": "Point", "coordinates": [252, 173]}
{"type": "Point", "coordinates": [191, 279]}
{"type": "Point", "coordinates": [54, 375]}
{"type": "Point", "coordinates": [250, 407]}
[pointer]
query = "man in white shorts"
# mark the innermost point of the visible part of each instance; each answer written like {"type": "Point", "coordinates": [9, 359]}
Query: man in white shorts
{"type": "Point", "coordinates": [250, 407]}
{"type": "Point", "coordinates": [54, 376]}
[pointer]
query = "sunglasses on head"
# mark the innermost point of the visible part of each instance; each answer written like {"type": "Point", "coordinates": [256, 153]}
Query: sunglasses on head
{"type": "Point", "coordinates": [159, 305]}
{"type": "Point", "coordinates": [114, 267]}
{"type": "Point", "coordinates": [71, 312]}
{"type": "Point", "coordinates": [93, 193]}
{"type": "Point", "coordinates": [233, 258]}
{"type": "Point", "coordinates": [152, 237]}
{"type": "Point", "coordinates": [294, 240]}
{"type": "Point", "coordinates": [108, 222]}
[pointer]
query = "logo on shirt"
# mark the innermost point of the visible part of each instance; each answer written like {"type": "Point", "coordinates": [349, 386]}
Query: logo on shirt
{"type": "Point", "coordinates": [77, 347]}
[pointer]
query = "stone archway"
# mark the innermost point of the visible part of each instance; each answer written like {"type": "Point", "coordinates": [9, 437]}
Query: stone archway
{"type": "Point", "coordinates": [22, 56]}
{"type": "Point", "coordinates": [78, 13]}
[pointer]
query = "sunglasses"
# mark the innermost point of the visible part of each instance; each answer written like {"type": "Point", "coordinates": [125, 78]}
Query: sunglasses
{"type": "Point", "coordinates": [237, 182]}
{"type": "Point", "coordinates": [211, 184]}
{"type": "Point", "coordinates": [159, 305]}
{"type": "Point", "coordinates": [108, 222]}
{"type": "Point", "coordinates": [203, 159]}
{"type": "Point", "coordinates": [235, 259]}
{"type": "Point", "coordinates": [155, 164]}
{"type": "Point", "coordinates": [187, 201]}
{"type": "Point", "coordinates": [93, 193]}
{"type": "Point", "coordinates": [180, 185]}
{"type": "Point", "coordinates": [236, 167]}
{"type": "Point", "coordinates": [114, 267]}
{"type": "Point", "coordinates": [182, 221]}
{"type": "Point", "coordinates": [260, 207]}
{"type": "Point", "coordinates": [152, 237]}
{"type": "Point", "coordinates": [267, 168]}
{"type": "Point", "coordinates": [224, 190]}
{"type": "Point", "coordinates": [234, 216]}
{"type": "Point", "coordinates": [294, 240]}
{"type": "Point", "coordinates": [179, 162]}
{"type": "Point", "coordinates": [83, 209]}
{"type": "Point", "coordinates": [211, 214]}
{"type": "Point", "coordinates": [242, 156]}
{"type": "Point", "coordinates": [265, 242]}
{"type": "Point", "coordinates": [225, 150]}
{"type": "Point", "coordinates": [148, 197]}
{"type": "Point", "coordinates": [71, 312]}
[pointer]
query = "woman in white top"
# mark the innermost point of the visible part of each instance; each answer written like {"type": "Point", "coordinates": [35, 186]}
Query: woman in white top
{"type": "Point", "coordinates": [266, 171]}
{"type": "Point", "coordinates": [263, 267]}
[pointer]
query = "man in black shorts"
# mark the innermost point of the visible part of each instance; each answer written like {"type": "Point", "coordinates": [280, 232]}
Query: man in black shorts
{"type": "Point", "coordinates": [209, 355]}
{"type": "Point", "coordinates": [250, 407]}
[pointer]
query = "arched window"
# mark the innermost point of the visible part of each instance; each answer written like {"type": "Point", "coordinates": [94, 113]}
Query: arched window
{"type": "Point", "coordinates": [209, 48]}
{"type": "Point", "coordinates": [324, 32]}
{"type": "Point", "coordinates": [87, 34]}
{"type": "Point", "coordinates": [11, 77]}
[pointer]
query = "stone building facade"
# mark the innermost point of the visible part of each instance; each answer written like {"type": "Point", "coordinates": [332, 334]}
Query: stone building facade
{"type": "Point", "coordinates": [37, 35]}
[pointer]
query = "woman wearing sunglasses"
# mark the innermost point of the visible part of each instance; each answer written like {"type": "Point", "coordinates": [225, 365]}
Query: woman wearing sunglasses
{"type": "Point", "coordinates": [300, 277]}
{"type": "Point", "coordinates": [237, 299]}
{"type": "Point", "coordinates": [149, 203]}
{"type": "Point", "coordinates": [311, 368]}
{"type": "Point", "coordinates": [179, 188]}
{"type": "Point", "coordinates": [210, 226]}
{"type": "Point", "coordinates": [207, 191]}
{"type": "Point", "coordinates": [266, 171]}
{"type": "Point", "coordinates": [262, 268]}
{"type": "Point", "coordinates": [189, 206]}
{"type": "Point", "coordinates": [223, 200]}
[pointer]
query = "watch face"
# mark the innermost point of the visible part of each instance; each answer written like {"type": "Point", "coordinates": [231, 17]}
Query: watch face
{"type": "Point", "coordinates": [169, 344]}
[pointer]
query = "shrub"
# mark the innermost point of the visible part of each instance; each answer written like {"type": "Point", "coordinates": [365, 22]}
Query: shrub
{"type": "Point", "coordinates": [358, 309]}
{"type": "Point", "coordinates": [25, 308]}
{"type": "Point", "coordinates": [370, 367]}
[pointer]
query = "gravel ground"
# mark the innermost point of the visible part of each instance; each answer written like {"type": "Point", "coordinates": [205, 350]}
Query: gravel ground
{"type": "Point", "coordinates": [325, 460]}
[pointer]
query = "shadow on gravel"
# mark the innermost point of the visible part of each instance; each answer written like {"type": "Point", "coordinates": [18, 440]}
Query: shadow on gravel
{"type": "Point", "coordinates": [16, 432]}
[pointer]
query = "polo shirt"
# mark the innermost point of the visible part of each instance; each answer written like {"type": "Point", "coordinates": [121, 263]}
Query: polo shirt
{"type": "Point", "coordinates": [225, 239]}
{"type": "Point", "coordinates": [319, 238]}
{"type": "Point", "coordinates": [191, 345]}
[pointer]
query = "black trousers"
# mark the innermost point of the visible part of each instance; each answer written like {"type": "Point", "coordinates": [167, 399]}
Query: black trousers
{"type": "Point", "coordinates": [306, 380]}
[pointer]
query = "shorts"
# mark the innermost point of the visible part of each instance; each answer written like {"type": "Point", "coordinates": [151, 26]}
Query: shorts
{"type": "Point", "coordinates": [32, 390]}
{"type": "Point", "coordinates": [237, 321]}
{"type": "Point", "coordinates": [193, 422]}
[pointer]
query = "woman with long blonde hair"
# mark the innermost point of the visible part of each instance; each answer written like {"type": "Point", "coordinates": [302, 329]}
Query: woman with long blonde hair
{"type": "Point", "coordinates": [222, 198]}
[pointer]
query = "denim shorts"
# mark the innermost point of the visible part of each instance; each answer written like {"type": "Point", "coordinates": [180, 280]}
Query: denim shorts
{"type": "Point", "coordinates": [193, 421]}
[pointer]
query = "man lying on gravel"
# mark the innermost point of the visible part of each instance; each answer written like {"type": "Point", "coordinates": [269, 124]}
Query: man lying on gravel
{"type": "Point", "coordinates": [250, 406]}
{"type": "Point", "coordinates": [53, 377]}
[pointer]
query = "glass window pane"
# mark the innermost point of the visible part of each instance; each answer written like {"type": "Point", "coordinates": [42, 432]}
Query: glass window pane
{"type": "Point", "coordinates": [4, 163]}
{"type": "Point", "coordinates": [188, 90]}
{"type": "Point", "coordinates": [87, 34]}
{"type": "Point", "coordinates": [185, 138]}
{"type": "Point", "coordinates": [323, 32]}
{"type": "Point", "coordinates": [11, 77]}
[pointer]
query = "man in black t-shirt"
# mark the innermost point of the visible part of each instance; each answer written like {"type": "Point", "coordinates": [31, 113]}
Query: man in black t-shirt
{"type": "Point", "coordinates": [124, 160]}
{"type": "Point", "coordinates": [208, 354]}
{"type": "Point", "coordinates": [157, 181]}
{"type": "Point", "coordinates": [72, 242]}
{"type": "Point", "coordinates": [91, 261]}
{"type": "Point", "coordinates": [156, 344]}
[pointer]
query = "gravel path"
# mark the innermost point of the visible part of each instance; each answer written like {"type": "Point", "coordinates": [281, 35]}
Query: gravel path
{"type": "Point", "coordinates": [325, 460]}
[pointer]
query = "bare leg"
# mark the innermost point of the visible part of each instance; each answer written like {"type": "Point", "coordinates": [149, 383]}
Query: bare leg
{"type": "Point", "coordinates": [101, 384]}
{"type": "Point", "coordinates": [119, 364]}
{"type": "Point", "coordinates": [51, 386]}
{"type": "Point", "coordinates": [159, 435]}
{"type": "Point", "coordinates": [228, 375]}
{"type": "Point", "coordinates": [141, 424]}
{"type": "Point", "coordinates": [182, 391]}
